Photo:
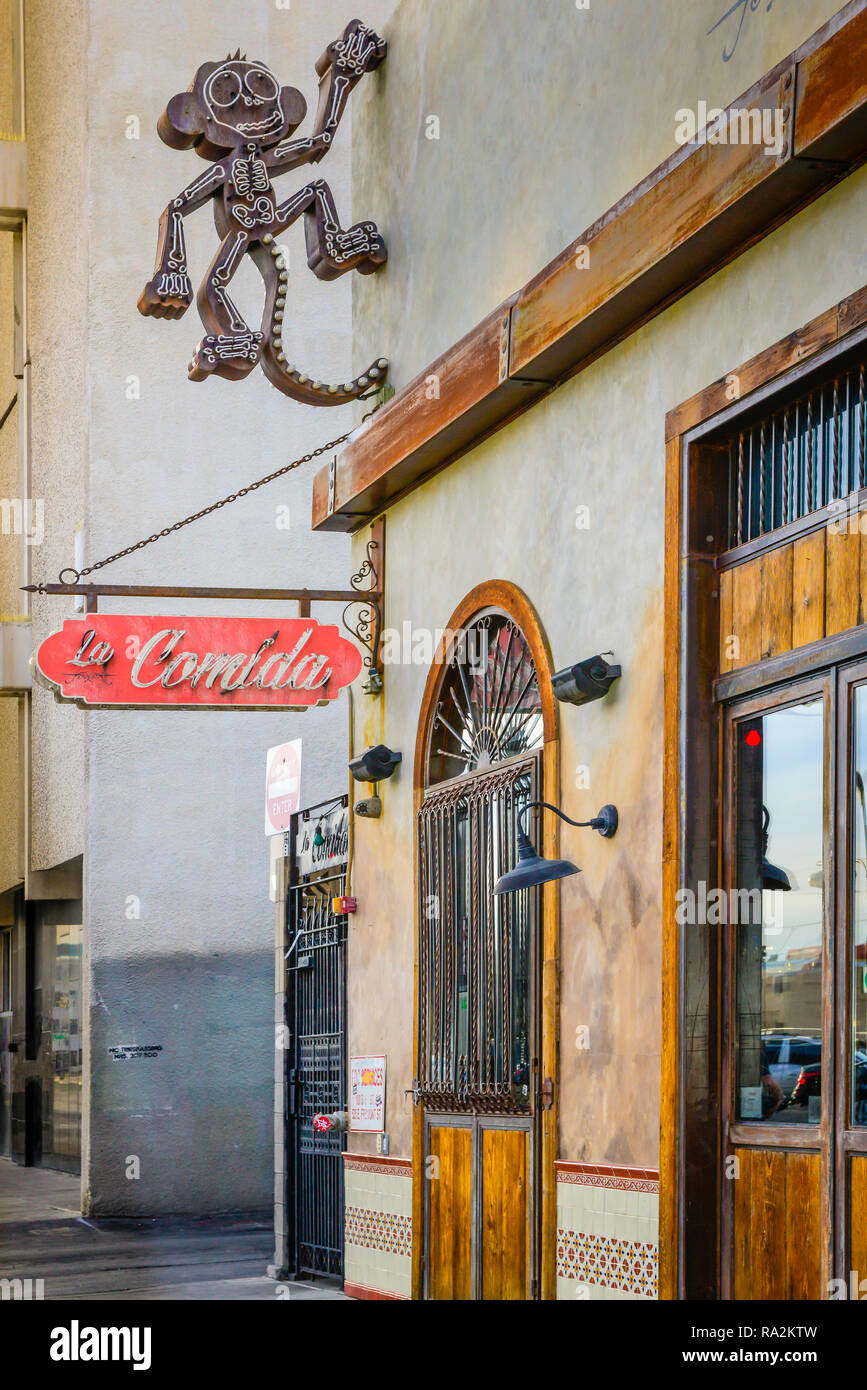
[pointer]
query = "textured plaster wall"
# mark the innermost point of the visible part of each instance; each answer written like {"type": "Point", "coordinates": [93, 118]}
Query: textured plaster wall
{"type": "Point", "coordinates": [179, 927]}
{"type": "Point", "coordinates": [547, 115]}
{"type": "Point", "coordinates": [508, 510]}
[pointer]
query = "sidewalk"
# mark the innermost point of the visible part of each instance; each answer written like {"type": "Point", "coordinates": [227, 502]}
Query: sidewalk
{"type": "Point", "coordinates": [43, 1236]}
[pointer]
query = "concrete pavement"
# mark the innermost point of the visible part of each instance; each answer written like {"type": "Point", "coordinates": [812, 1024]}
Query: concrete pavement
{"type": "Point", "coordinates": [43, 1236]}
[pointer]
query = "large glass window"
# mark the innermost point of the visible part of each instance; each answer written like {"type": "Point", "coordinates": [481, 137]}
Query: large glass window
{"type": "Point", "coordinates": [57, 1004]}
{"type": "Point", "coordinates": [778, 911]}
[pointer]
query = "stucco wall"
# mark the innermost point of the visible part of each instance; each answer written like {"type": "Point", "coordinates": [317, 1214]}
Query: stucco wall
{"type": "Point", "coordinates": [547, 115]}
{"type": "Point", "coordinates": [168, 807]}
{"type": "Point", "coordinates": [508, 510]}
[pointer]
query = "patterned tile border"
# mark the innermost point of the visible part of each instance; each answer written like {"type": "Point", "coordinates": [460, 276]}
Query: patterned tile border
{"type": "Point", "coordinates": [379, 1230]}
{"type": "Point", "coordinates": [629, 1265]}
{"type": "Point", "coordinates": [618, 1176]}
{"type": "Point", "coordinates": [378, 1163]}
{"type": "Point", "coordinates": [362, 1291]}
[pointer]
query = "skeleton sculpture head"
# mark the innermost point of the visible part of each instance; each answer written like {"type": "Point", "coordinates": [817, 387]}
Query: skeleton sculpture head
{"type": "Point", "coordinates": [229, 104]}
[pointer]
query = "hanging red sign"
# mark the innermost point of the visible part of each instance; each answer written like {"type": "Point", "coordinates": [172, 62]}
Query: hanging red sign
{"type": "Point", "coordinates": [135, 662]}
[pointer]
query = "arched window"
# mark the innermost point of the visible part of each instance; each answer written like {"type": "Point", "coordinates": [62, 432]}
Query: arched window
{"type": "Point", "coordinates": [488, 709]}
{"type": "Point", "coordinates": [478, 957]}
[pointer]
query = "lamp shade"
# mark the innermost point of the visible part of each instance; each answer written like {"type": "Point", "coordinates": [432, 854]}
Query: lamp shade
{"type": "Point", "coordinates": [531, 869]}
{"type": "Point", "coordinates": [775, 879]}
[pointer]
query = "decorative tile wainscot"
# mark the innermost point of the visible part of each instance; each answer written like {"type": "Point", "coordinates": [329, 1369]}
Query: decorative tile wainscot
{"type": "Point", "coordinates": [378, 1214]}
{"type": "Point", "coordinates": [607, 1231]}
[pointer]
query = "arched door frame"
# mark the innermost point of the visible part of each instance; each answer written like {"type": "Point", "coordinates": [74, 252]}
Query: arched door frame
{"type": "Point", "coordinates": [501, 594]}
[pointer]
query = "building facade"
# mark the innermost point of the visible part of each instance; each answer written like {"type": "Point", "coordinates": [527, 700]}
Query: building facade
{"type": "Point", "coordinates": [134, 893]}
{"type": "Point", "coordinates": [630, 440]}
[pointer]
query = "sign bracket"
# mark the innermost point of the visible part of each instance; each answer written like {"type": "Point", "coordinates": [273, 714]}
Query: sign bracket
{"type": "Point", "coordinates": [366, 629]}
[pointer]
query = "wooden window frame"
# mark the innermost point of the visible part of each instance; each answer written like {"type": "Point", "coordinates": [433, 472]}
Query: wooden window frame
{"type": "Point", "coordinates": [689, 1225]}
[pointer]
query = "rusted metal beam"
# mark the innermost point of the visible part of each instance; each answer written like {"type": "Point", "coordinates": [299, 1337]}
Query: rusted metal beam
{"type": "Point", "coordinates": [446, 410]}
{"type": "Point", "coordinates": [303, 596]}
{"type": "Point", "coordinates": [699, 210]}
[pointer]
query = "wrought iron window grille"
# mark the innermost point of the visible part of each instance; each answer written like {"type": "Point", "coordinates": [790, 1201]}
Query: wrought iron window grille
{"type": "Point", "coordinates": [800, 458]}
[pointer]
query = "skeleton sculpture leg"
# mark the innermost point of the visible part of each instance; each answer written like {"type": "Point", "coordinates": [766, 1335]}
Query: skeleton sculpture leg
{"type": "Point", "coordinates": [331, 251]}
{"type": "Point", "coordinates": [231, 349]}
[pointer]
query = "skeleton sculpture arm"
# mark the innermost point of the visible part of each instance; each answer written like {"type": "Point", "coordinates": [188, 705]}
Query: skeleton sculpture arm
{"type": "Point", "coordinates": [169, 293]}
{"type": "Point", "coordinates": [341, 67]}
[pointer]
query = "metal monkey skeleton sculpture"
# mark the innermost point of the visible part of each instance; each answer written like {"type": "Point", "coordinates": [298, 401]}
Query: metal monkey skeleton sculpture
{"type": "Point", "coordinates": [236, 114]}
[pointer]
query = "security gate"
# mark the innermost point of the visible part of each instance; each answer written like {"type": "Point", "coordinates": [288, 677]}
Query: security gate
{"type": "Point", "coordinates": [315, 1073]}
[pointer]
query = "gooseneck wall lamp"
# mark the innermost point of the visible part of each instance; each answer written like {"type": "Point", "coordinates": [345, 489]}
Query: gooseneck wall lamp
{"type": "Point", "coordinates": [531, 868]}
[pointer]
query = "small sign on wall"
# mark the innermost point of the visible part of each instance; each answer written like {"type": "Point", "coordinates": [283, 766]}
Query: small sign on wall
{"type": "Point", "coordinates": [134, 1052]}
{"type": "Point", "coordinates": [367, 1095]}
{"type": "Point", "coordinates": [333, 828]}
{"type": "Point", "coordinates": [282, 786]}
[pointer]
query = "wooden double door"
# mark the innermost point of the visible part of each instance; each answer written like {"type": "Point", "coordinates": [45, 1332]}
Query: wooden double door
{"type": "Point", "coordinates": [480, 1208]}
{"type": "Point", "coordinates": [793, 916]}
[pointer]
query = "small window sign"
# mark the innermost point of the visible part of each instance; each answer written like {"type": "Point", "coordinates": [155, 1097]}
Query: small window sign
{"type": "Point", "coordinates": [751, 1102]}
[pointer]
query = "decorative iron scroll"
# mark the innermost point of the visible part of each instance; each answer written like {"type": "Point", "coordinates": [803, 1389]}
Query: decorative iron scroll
{"type": "Point", "coordinates": [476, 952]}
{"type": "Point", "coordinates": [363, 618]}
{"type": "Point", "coordinates": [236, 114]}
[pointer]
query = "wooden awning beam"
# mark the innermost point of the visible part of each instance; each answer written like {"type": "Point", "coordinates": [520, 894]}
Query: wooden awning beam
{"type": "Point", "coordinates": [699, 210]}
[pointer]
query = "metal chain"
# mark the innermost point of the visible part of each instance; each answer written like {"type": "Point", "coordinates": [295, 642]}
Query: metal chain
{"type": "Point", "coordinates": [205, 511]}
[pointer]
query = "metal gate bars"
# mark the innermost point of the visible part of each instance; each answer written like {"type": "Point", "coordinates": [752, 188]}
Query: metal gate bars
{"type": "Point", "coordinates": [316, 1084]}
{"type": "Point", "coordinates": [476, 952]}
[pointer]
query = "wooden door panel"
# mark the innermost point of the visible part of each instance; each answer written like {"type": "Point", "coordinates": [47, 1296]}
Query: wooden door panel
{"type": "Point", "coordinates": [505, 1218]}
{"type": "Point", "coordinates": [451, 1226]}
{"type": "Point", "coordinates": [804, 1225]}
{"type": "Point", "coordinates": [777, 1225]}
{"type": "Point", "coordinates": [858, 1216]}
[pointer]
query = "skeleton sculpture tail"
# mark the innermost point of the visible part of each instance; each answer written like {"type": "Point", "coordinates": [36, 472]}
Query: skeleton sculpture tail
{"type": "Point", "coordinates": [302, 386]}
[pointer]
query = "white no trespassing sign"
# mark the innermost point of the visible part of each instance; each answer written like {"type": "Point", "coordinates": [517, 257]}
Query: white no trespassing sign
{"type": "Point", "coordinates": [367, 1095]}
{"type": "Point", "coordinates": [134, 1052]}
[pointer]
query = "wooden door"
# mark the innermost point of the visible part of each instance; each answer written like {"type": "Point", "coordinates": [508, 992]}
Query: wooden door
{"type": "Point", "coordinates": [777, 916]}
{"type": "Point", "coordinates": [480, 1208]}
{"type": "Point", "coordinates": [505, 1213]}
{"type": "Point", "coordinates": [449, 1170]}
{"type": "Point", "coordinates": [794, 1189]}
{"type": "Point", "coordinates": [850, 1225]}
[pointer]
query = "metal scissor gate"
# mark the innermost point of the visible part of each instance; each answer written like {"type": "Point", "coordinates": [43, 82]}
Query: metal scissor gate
{"type": "Point", "coordinates": [315, 1075]}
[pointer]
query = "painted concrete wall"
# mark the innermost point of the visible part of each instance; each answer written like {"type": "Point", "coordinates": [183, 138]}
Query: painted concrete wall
{"type": "Point", "coordinates": [463, 235]}
{"type": "Point", "coordinates": [168, 807]}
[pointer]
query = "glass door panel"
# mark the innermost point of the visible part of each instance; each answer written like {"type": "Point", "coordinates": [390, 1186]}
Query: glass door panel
{"type": "Point", "coordinates": [777, 910]}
